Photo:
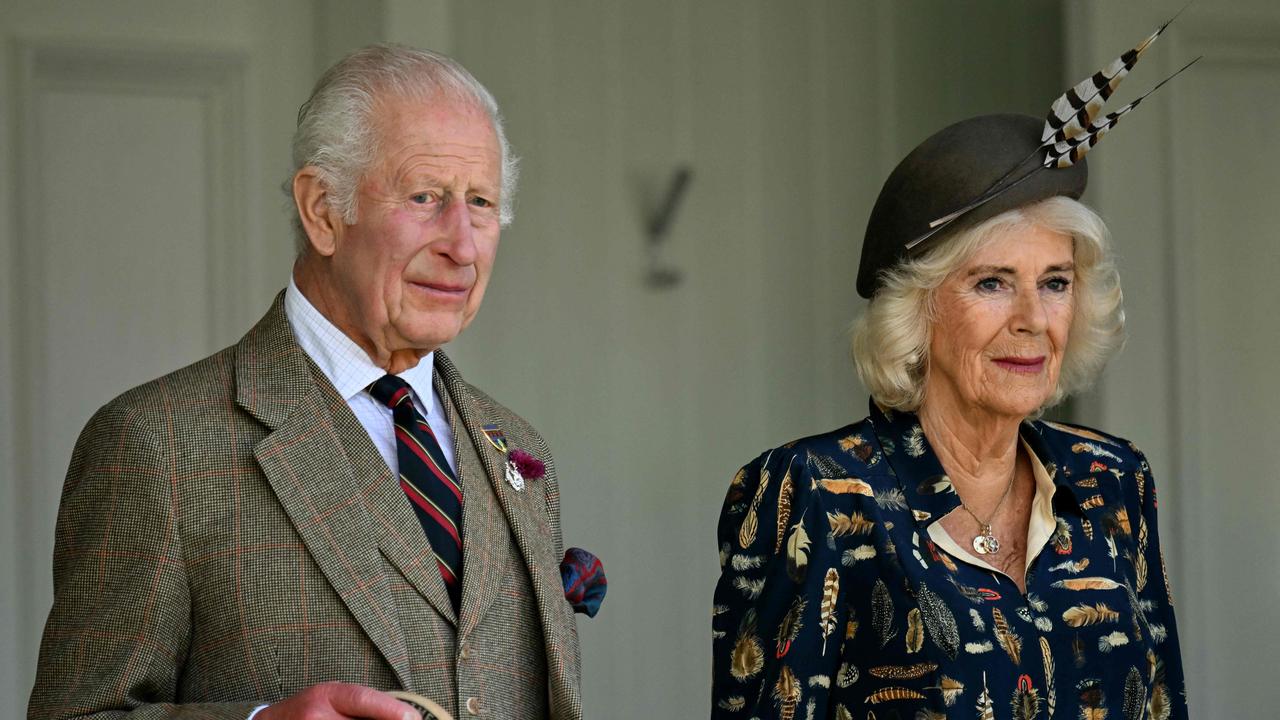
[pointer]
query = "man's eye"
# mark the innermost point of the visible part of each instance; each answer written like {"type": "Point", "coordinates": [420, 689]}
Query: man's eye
{"type": "Point", "coordinates": [481, 202]}
{"type": "Point", "coordinates": [420, 198]}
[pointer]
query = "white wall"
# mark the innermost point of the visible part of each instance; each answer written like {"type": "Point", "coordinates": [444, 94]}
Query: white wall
{"type": "Point", "coordinates": [1188, 185]}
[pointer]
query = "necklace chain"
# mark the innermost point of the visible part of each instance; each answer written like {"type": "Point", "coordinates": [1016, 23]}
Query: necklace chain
{"type": "Point", "coordinates": [986, 542]}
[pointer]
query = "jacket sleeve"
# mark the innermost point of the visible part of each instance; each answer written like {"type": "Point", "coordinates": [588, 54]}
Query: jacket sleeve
{"type": "Point", "coordinates": [775, 642]}
{"type": "Point", "coordinates": [1168, 694]}
{"type": "Point", "coordinates": [119, 630]}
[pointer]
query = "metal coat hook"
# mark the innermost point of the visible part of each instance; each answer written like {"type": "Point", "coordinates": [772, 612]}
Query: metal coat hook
{"type": "Point", "coordinates": [661, 275]}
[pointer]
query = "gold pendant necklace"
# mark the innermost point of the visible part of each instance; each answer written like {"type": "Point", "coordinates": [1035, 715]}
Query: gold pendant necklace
{"type": "Point", "coordinates": [985, 542]}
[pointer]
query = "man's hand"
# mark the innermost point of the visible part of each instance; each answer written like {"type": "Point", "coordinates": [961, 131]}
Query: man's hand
{"type": "Point", "coordinates": [339, 701]}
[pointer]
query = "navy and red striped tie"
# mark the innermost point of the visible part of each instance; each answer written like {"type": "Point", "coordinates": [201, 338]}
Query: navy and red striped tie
{"type": "Point", "coordinates": [426, 478]}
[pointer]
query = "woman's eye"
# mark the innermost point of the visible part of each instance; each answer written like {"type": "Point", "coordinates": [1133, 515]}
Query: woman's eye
{"type": "Point", "coordinates": [990, 284]}
{"type": "Point", "coordinates": [1057, 284]}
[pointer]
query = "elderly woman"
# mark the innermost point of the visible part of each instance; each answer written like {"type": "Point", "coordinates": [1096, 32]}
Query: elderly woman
{"type": "Point", "coordinates": [951, 555]}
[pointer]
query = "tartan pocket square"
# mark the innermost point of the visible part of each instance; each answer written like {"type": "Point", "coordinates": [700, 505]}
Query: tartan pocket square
{"type": "Point", "coordinates": [584, 583]}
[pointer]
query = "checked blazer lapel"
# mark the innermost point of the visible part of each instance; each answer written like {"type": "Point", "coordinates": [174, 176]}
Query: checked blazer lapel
{"type": "Point", "coordinates": [485, 550]}
{"type": "Point", "coordinates": [322, 485]}
{"type": "Point", "coordinates": [526, 514]}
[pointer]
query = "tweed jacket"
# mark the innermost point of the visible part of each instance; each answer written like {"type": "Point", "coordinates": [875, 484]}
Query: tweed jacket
{"type": "Point", "coordinates": [229, 535]}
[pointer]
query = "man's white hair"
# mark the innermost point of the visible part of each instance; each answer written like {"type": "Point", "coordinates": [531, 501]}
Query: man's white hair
{"type": "Point", "coordinates": [891, 338]}
{"type": "Point", "coordinates": [337, 132]}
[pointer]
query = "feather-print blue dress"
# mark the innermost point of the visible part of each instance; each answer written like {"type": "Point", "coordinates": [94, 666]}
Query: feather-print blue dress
{"type": "Point", "coordinates": [835, 601]}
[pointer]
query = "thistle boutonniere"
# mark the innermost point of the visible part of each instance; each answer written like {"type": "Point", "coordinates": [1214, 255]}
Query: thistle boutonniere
{"type": "Point", "coordinates": [521, 465]}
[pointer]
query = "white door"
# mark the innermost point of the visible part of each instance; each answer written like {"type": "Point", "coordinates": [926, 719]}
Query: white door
{"type": "Point", "coordinates": [141, 148]}
{"type": "Point", "coordinates": [1189, 186]}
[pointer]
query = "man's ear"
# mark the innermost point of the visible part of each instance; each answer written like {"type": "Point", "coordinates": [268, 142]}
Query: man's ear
{"type": "Point", "coordinates": [320, 221]}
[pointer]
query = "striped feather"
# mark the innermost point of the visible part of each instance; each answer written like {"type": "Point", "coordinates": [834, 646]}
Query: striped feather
{"type": "Point", "coordinates": [984, 706]}
{"type": "Point", "coordinates": [785, 491]}
{"type": "Point", "coordinates": [892, 693]}
{"type": "Point", "coordinates": [1072, 127]}
{"type": "Point", "coordinates": [751, 523]}
{"type": "Point", "coordinates": [1008, 639]}
{"type": "Point", "coordinates": [1068, 152]}
{"type": "Point", "coordinates": [827, 609]}
{"type": "Point", "coordinates": [1050, 692]}
{"type": "Point", "coordinates": [787, 693]}
{"type": "Point", "coordinates": [1078, 107]}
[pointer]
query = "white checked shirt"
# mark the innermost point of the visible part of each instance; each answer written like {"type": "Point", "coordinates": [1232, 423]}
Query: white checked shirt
{"type": "Point", "coordinates": [349, 369]}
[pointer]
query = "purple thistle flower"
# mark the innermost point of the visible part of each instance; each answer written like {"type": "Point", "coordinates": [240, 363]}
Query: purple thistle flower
{"type": "Point", "coordinates": [530, 467]}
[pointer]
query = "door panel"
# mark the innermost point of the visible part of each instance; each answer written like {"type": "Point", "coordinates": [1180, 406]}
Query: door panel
{"type": "Point", "coordinates": [137, 238]}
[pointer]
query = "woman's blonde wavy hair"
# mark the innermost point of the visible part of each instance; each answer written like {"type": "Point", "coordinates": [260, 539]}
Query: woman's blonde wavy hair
{"type": "Point", "coordinates": [891, 338]}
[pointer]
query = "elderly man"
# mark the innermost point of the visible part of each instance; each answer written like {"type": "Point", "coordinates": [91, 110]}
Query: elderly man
{"type": "Point", "coordinates": [233, 541]}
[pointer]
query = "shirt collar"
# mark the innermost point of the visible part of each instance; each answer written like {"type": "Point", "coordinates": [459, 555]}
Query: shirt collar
{"type": "Point", "coordinates": [342, 361]}
{"type": "Point", "coordinates": [920, 475]}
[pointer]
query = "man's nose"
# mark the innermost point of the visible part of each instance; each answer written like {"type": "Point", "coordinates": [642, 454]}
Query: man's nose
{"type": "Point", "coordinates": [457, 233]}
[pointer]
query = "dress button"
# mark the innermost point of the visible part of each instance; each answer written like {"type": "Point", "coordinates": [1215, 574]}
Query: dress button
{"type": "Point", "coordinates": [473, 705]}
{"type": "Point", "coordinates": [465, 651]}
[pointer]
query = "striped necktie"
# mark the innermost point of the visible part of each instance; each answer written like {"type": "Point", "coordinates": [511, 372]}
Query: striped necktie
{"type": "Point", "coordinates": [426, 478]}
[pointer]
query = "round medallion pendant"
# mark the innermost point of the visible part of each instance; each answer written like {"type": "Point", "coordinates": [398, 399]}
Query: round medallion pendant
{"type": "Point", "coordinates": [986, 544]}
{"type": "Point", "coordinates": [980, 544]}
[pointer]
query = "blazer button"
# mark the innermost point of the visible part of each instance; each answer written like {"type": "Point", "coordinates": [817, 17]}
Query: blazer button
{"type": "Point", "coordinates": [473, 705]}
{"type": "Point", "coordinates": [465, 651]}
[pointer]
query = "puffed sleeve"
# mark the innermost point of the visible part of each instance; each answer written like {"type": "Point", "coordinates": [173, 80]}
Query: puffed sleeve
{"type": "Point", "coordinates": [776, 627]}
{"type": "Point", "coordinates": [1168, 693]}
